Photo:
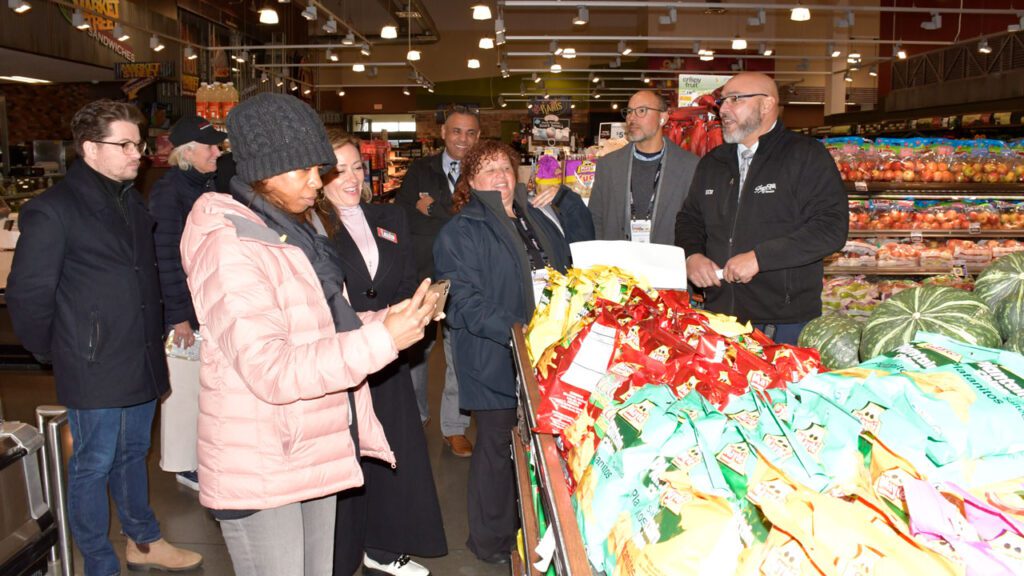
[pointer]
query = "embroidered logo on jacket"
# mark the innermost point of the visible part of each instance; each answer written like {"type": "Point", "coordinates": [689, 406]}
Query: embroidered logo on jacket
{"type": "Point", "coordinates": [709, 191]}
{"type": "Point", "coordinates": [765, 189]}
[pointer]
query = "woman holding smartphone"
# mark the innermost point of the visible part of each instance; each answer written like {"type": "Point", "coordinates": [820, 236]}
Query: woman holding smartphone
{"type": "Point", "coordinates": [396, 513]}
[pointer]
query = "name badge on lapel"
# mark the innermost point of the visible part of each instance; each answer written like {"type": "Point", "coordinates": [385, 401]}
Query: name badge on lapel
{"type": "Point", "coordinates": [387, 235]}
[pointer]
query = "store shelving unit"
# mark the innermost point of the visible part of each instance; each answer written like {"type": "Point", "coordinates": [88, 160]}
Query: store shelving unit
{"type": "Point", "coordinates": [931, 191]}
{"type": "Point", "coordinates": [569, 558]}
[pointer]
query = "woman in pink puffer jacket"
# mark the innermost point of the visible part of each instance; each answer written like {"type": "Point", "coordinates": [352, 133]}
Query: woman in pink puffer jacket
{"type": "Point", "coordinates": [283, 408]}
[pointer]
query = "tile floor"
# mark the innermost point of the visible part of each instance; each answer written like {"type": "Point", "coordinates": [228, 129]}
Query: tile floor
{"type": "Point", "coordinates": [185, 523]}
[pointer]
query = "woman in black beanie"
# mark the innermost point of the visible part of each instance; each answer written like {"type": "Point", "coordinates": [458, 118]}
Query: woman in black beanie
{"type": "Point", "coordinates": [284, 412]}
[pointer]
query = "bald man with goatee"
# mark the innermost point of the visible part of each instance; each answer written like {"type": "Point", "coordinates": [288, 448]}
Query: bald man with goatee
{"type": "Point", "coordinates": [763, 211]}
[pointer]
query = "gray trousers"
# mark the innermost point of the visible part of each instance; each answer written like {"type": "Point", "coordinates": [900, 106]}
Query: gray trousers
{"type": "Point", "coordinates": [292, 540]}
{"type": "Point", "coordinates": [453, 422]}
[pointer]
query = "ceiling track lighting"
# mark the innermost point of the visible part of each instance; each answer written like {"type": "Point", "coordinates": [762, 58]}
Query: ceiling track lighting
{"type": "Point", "coordinates": [847, 77]}
{"type": "Point", "coordinates": [190, 54]}
{"type": "Point", "coordinates": [331, 55]}
{"type": "Point", "coordinates": [341, 92]}
{"type": "Point", "coordinates": [615, 63]}
{"type": "Point", "coordinates": [670, 18]}
{"type": "Point", "coordinates": [264, 78]}
{"type": "Point", "coordinates": [799, 13]}
{"type": "Point", "coordinates": [833, 51]}
{"type": "Point", "coordinates": [481, 12]}
{"type": "Point", "coordinates": [582, 16]}
{"type": "Point", "coordinates": [934, 23]}
{"type": "Point", "coordinates": [268, 15]}
{"type": "Point", "coordinates": [499, 38]}
{"type": "Point", "coordinates": [983, 46]}
{"type": "Point", "coordinates": [307, 91]}
{"type": "Point", "coordinates": [499, 25]}
{"type": "Point", "coordinates": [623, 49]}
{"type": "Point", "coordinates": [739, 43]}
{"type": "Point", "coordinates": [155, 44]}
{"type": "Point", "coordinates": [310, 13]}
{"type": "Point", "coordinates": [293, 87]}
{"type": "Point", "coordinates": [873, 71]}
{"type": "Point", "coordinates": [349, 39]}
{"type": "Point", "coordinates": [845, 21]}
{"type": "Point", "coordinates": [597, 95]}
{"type": "Point", "coordinates": [405, 90]}
{"type": "Point", "coordinates": [615, 106]}
{"type": "Point", "coordinates": [553, 48]}
{"type": "Point", "coordinates": [473, 63]}
{"type": "Point", "coordinates": [501, 101]}
{"type": "Point", "coordinates": [758, 20]}
{"type": "Point", "coordinates": [279, 83]}
{"type": "Point", "coordinates": [535, 78]}
{"type": "Point", "coordinates": [364, 49]}
{"type": "Point", "coordinates": [899, 51]}
{"type": "Point", "coordinates": [764, 50]}
{"type": "Point", "coordinates": [371, 72]}
{"type": "Point", "coordinates": [331, 26]}
{"type": "Point", "coordinates": [78, 20]}
{"type": "Point", "coordinates": [119, 34]}
{"type": "Point", "coordinates": [645, 79]}
{"type": "Point", "coordinates": [19, 6]}
{"type": "Point", "coordinates": [389, 32]}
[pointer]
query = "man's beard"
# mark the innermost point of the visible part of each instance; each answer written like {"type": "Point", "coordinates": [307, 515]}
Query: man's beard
{"type": "Point", "coordinates": [742, 130]}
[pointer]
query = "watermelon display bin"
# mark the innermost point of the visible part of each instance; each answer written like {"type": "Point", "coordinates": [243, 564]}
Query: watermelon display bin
{"type": "Point", "coordinates": [660, 439]}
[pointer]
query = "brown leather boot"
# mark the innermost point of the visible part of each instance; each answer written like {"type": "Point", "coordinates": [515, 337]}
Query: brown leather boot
{"type": "Point", "coordinates": [161, 555]}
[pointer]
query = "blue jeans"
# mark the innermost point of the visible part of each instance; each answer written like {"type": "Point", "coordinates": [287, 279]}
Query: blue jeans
{"type": "Point", "coordinates": [110, 447]}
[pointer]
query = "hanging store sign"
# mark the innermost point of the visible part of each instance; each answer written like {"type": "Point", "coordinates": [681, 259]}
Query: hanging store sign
{"type": "Point", "coordinates": [102, 15]}
{"type": "Point", "coordinates": [561, 107]}
{"type": "Point", "coordinates": [131, 70]}
{"type": "Point", "coordinates": [693, 86]}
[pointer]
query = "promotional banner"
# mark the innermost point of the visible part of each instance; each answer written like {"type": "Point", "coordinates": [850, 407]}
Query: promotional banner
{"type": "Point", "coordinates": [550, 119]}
{"type": "Point", "coordinates": [693, 86]}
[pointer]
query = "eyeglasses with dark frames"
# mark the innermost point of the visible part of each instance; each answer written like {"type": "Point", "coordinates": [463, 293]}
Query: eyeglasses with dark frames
{"type": "Point", "coordinates": [640, 111]}
{"type": "Point", "coordinates": [732, 99]}
{"type": "Point", "coordinates": [127, 147]}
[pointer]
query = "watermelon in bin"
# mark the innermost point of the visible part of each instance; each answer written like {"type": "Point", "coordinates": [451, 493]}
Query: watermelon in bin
{"type": "Point", "coordinates": [947, 311]}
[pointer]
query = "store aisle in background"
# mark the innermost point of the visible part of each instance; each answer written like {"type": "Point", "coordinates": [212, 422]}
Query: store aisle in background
{"type": "Point", "coordinates": [185, 523]}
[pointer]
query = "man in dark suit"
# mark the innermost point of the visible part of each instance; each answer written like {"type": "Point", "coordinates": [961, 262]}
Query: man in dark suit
{"type": "Point", "coordinates": [84, 290]}
{"type": "Point", "coordinates": [426, 195]}
{"type": "Point", "coordinates": [639, 189]}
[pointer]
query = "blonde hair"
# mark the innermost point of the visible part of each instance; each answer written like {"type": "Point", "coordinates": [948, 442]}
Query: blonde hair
{"type": "Point", "coordinates": [339, 138]}
{"type": "Point", "coordinates": [177, 157]}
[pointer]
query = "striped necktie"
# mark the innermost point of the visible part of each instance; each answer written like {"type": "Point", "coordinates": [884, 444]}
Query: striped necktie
{"type": "Point", "coordinates": [453, 174]}
{"type": "Point", "coordinates": [746, 156]}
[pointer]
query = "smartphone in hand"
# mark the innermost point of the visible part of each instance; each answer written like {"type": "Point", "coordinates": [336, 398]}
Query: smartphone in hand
{"type": "Point", "coordinates": [441, 288]}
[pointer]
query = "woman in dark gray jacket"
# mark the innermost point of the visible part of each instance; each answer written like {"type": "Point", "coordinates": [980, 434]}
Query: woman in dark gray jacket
{"type": "Point", "coordinates": [193, 169]}
{"type": "Point", "coordinates": [494, 251]}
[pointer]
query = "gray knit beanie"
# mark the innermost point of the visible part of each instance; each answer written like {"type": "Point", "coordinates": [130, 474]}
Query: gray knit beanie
{"type": "Point", "coordinates": [275, 133]}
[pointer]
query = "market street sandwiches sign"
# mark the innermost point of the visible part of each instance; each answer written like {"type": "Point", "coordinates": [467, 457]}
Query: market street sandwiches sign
{"type": "Point", "coordinates": [101, 16]}
{"type": "Point", "coordinates": [132, 70]}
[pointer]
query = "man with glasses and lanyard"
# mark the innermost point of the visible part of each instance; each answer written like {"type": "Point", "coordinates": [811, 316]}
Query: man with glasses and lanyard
{"type": "Point", "coordinates": [763, 211]}
{"type": "Point", "coordinates": [84, 291]}
{"type": "Point", "coordinates": [639, 188]}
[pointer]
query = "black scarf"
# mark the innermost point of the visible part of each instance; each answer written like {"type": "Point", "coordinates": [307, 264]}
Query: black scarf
{"type": "Point", "coordinates": [318, 249]}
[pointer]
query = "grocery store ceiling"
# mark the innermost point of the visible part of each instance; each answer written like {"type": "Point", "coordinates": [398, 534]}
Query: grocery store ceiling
{"type": "Point", "coordinates": [16, 63]}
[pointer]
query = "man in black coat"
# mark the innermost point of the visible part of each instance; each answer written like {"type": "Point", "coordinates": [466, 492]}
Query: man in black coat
{"type": "Point", "coordinates": [763, 211]}
{"type": "Point", "coordinates": [426, 195]}
{"type": "Point", "coordinates": [84, 291]}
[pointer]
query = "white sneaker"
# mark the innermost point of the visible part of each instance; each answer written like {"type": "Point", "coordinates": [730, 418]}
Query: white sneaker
{"type": "Point", "coordinates": [404, 566]}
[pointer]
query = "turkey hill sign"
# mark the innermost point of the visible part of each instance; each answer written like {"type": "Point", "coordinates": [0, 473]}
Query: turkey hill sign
{"type": "Point", "coordinates": [101, 16]}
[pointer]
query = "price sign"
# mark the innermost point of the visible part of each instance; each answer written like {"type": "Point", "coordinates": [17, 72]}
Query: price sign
{"type": "Point", "coordinates": [974, 228]}
{"type": "Point", "coordinates": [860, 186]}
{"type": "Point", "coordinates": [916, 236]}
{"type": "Point", "coordinates": [960, 270]}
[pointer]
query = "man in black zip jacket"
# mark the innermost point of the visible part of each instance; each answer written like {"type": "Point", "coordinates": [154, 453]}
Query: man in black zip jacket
{"type": "Point", "coordinates": [763, 210]}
